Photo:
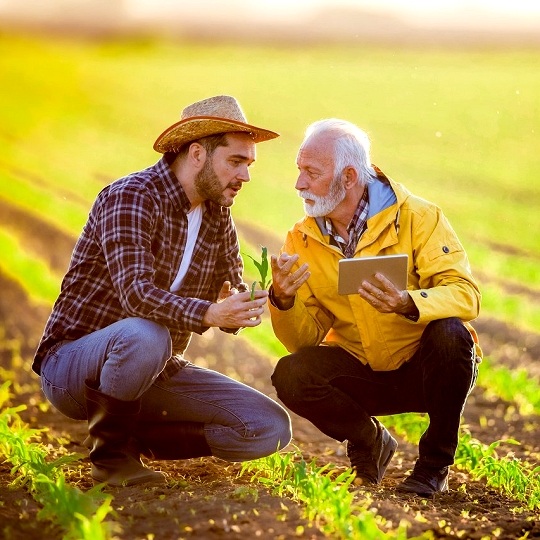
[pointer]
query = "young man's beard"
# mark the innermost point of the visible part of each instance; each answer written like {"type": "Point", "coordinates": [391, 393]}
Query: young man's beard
{"type": "Point", "coordinates": [322, 206]}
{"type": "Point", "coordinates": [208, 186]}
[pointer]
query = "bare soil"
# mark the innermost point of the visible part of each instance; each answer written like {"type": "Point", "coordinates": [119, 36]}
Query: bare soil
{"type": "Point", "coordinates": [205, 498]}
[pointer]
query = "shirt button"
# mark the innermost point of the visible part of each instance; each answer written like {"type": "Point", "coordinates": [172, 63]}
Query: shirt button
{"type": "Point", "coordinates": [424, 294]}
{"type": "Point", "coordinates": [446, 249]}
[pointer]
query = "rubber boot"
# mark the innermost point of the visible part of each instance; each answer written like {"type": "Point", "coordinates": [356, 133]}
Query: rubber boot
{"type": "Point", "coordinates": [172, 440]}
{"type": "Point", "coordinates": [111, 423]}
{"type": "Point", "coordinates": [167, 440]}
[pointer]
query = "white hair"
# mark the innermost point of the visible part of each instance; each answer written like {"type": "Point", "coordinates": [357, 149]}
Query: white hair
{"type": "Point", "coordinates": [351, 146]}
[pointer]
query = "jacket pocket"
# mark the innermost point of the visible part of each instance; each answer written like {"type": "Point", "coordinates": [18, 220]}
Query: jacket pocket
{"type": "Point", "coordinates": [443, 250]}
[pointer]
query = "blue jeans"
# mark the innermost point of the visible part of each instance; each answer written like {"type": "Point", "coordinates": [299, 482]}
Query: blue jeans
{"type": "Point", "coordinates": [127, 358]}
{"type": "Point", "coordinates": [339, 394]}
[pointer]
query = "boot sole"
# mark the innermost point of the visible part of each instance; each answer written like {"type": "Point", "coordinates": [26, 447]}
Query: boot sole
{"type": "Point", "coordinates": [389, 447]}
{"type": "Point", "coordinates": [411, 485]}
{"type": "Point", "coordinates": [153, 480]}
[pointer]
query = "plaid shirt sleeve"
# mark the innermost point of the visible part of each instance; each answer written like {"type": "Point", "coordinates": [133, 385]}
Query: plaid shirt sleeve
{"type": "Point", "coordinates": [125, 229]}
{"type": "Point", "coordinates": [128, 255]}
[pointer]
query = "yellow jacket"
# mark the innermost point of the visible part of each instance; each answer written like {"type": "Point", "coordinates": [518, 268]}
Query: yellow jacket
{"type": "Point", "coordinates": [439, 281]}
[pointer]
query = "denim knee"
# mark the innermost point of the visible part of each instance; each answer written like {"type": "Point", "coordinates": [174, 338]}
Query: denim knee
{"type": "Point", "coordinates": [277, 433]}
{"type": "Point", "coordinates": [297, 379]}
{"type": "Point", "coordinates": [139, 352]}
{"type": "Point", "coordinates": [267, 432]}
{"type": "Point", "coordinates": [443, 328]}
{"type": "Point", "coordinates": [281, 428]}
{"type": "Point", "coordinates": [274, 435]}
{"type": "Point", "coordinates": [152, 340]}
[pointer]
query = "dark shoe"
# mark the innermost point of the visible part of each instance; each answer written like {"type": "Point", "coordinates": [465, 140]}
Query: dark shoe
{"type": "Point", "coordinates": [111, 423]}
{"type": "Point", "coordinates": [370, 465]}
{"type": "Point", "coordinates": [425, 481]}
{"type": "Point", "coordinates": [172, 440]}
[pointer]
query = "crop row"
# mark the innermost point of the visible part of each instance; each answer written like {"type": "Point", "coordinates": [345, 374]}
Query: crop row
{"type": "Point", "coordinates": [513, 477]}
{"type": "Point", "coordinates": [326, 495]}
{"type": "Point", "coordinates": [80, 514]}
{"type": "Point", "coordinates": [317, 488]}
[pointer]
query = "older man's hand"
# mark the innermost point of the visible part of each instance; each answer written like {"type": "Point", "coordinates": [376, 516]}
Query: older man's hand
{"type": "Point", "coordinates": [386, 298]}
{"type": "Point", "coordinates": [285, 280]}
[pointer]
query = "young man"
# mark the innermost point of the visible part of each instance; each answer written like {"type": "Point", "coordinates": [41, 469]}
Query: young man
{"type": "Point", "coordinates": [386, 350]}
{"type": "Point", "coordinates": [157, 260]}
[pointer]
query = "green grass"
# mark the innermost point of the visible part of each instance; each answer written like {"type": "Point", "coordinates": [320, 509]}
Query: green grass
{"type": "Point", "coordinates": [513, 477]}
{"type": "Point", "coordinates": [509, 475]}
{"type": "Point", "coordinates": [115, 98]}
{"type": "Point", "coordinates": [30, 272]}
{"type": "Point", "coordinates": [514, 385]}
{"type": "Point", "coordinates": [50, 205]}
{"type": "Point", "coordinates": [517, 310]}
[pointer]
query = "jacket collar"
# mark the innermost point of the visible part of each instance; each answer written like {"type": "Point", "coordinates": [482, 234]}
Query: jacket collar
{"type": "Point", "coordinates": [385, 199]}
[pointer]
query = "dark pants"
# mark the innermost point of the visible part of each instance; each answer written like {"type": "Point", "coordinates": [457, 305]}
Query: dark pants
{"type": "Point", "coordinates": [339, 394]}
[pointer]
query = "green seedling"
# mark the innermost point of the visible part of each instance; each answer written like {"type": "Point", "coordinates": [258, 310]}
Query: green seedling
{"type": "Point", "coordinates": [262, 267]}
{"type": "Point", "coordinates": [80, 514]}
{"type": "Point", "coordinates": [512, 477]}
{"type": "Point", "coordinates": [327, 495]}
{"type": "Point", "coordinates": [513, 385]}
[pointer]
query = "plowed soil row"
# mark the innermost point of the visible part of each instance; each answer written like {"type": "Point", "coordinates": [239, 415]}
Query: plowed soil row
{"type": "Point", "coordinates": [205, 498]}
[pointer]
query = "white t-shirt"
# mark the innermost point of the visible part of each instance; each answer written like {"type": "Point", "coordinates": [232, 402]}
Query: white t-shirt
{"type": "Point", "coordinates": [194, 218]}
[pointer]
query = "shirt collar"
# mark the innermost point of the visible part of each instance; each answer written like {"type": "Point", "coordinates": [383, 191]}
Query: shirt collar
{"type": "Point", "coordinates": [172, 185]}
{"type": "Point", "coordinates": [355, 228]}
{"type": "Point", "coordinates": [359, 217]}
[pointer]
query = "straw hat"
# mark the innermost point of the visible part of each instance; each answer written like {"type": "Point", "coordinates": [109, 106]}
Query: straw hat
{"type": "Point", "coordinates": [219, 114]}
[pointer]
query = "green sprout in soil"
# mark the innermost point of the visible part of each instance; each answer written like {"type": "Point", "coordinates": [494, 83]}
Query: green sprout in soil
{"type": "Point", "coordinates": [81, 514]}
{"type": "Point", "coordinates": [262, 267]}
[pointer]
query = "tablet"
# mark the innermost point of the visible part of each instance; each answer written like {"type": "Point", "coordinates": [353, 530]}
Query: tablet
{"type": "Point", "coordinates": [353, 271]}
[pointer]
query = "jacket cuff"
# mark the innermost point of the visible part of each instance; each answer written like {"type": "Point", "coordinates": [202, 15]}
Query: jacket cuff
{"type": "Point", "coordinates": [274, 302]}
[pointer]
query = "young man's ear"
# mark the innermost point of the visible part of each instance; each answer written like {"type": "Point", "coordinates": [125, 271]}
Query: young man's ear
{"type": "Point", "coordinates": [197, 155]}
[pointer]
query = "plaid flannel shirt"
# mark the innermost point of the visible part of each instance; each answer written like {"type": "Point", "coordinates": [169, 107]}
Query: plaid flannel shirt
{"type": "Point", "coordinates": [128, 255]}
{"type": "Point", "coordinates": [356, 228]}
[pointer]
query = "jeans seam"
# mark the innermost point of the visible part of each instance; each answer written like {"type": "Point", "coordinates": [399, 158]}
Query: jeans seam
{"type": "Point", "coordinates": [245, 433]}
{"type": "Point", "coordinates": [62, 390]}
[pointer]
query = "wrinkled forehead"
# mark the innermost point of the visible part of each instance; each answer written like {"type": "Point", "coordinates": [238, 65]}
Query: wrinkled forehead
{"type": "Point", "coordinates": [317, 149]}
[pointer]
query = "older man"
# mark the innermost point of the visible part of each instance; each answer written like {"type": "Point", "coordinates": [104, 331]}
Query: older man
{"type": "Point", "coordinates": [157, 260]}
{"type": "Point", "coordinates": [383, 350]}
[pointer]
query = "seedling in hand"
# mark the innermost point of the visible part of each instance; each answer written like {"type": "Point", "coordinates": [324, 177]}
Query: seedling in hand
{"type": "Point", "coordinates": [262, 267]}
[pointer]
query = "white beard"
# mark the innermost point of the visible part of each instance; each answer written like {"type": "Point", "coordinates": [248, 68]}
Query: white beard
{"type": "Point", "coordinates": [322, 206]}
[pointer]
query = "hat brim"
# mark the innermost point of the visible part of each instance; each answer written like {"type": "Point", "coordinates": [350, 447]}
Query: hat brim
{"type": "Point", "coordinates": [197, 127]}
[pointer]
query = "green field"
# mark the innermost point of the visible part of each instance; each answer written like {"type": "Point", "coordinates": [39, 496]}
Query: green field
{"type": "Point", "coordinates": [458, 127]}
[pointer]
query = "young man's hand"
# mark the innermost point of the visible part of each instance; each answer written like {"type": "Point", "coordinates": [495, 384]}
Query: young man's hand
{"type": "Point", "coordinates": [226, 291]}
{"type": "Point", "coordinates": [236, 310]}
